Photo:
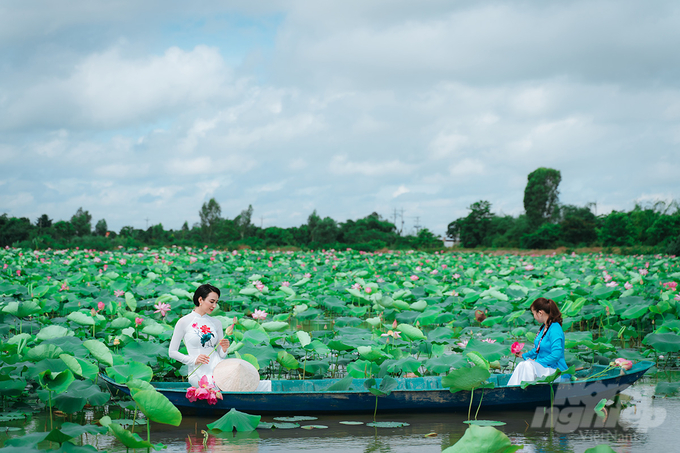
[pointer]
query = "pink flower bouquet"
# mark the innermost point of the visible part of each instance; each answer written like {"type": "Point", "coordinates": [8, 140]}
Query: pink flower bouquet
{"type": "Point", "coordinates": [204, 392]}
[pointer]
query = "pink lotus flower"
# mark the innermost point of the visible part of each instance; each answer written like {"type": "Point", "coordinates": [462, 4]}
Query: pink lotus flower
{"type": "Point", "coordinates": [191, 394]}
{"type": "Point", "coordinates": [462, 344]}
{"type": "Point", "coordinates": [193, 259]}
{"type": "Point", "coordinates": [162, 308]}
{"type": "Point", "coordinates": [356, 286]}
{"type": "Point", "coordinates": [444, 266]}
{"type": "Point", "coordinates": [391, 333]}
{"type": "Point", "coordinates": [671, 286]}
{"type": "Point", "coordinates": [612, 284]}
{"type": "Point", "coordinates": [529, 267]}
{"type": "Point", "coordinates": [230, 329]}
{"type": "Point", "coordinates": [139, 321]}
{"type": "Point", "coordinates": [122, 261]}
{"type": "Point", "coordinates": [623, 363]}
{"type": "Point", "coordinates": [308, 275]}
{"type": "Point", "coordinates": [414, 277]}
{"type": "Point", "coordinates": [64, 287]}
{"type": "Point", "coordinates": [418, 269]}
{"type": "Point", "coordinates": [434, 272]}
{"type": "Point", "coordinates": [100, 306]}
{"type": "Point", "coordinates": [489, 340]}
{"type": "Point", "coordinates": [643, 271]}
{"type": "Point", "coordinates": [259, 314]}
{"type": "Point", "coordinates": [19, 273]}
{"type": "Point", "coordinates": [97, 260]}
{"type": "Point", "coordinates": [285, 284]}
{"type": "Point", "coordinates": [677, 297]}
{"type": "Point", "coordinates": [4, 266]}
{"type": "Point", "coordinates": [627, 285]}
{"type": "Point", "coordinates": [516, 347]}
{"type": "Point", "coordinates": [488, 271]}
{"type": "Point", "coordinates": [456, 276]}
{"type": "Point", "coordinates": [368, 290]}
{"type": "Point", "coordinates": [119, 292]}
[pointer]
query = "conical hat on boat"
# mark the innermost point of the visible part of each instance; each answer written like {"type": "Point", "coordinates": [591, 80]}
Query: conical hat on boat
{"type": "Point", "coordinates": [236, 375]}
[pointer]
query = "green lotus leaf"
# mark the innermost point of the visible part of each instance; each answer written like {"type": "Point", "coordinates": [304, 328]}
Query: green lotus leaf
{"type": "Point", "coordinates": [235, 420]}
{"type": "Point", "coordinates": [287, 360]}
{"type": "Point", "coordinates": [483, 438]}
{"type": "Point", "coordinates": [78, 394]}
{"type": "Point", "coordinates": [411, 332]}
{"type": "Point", "coordinates": [51, 332]}
{"type": "Point", "coordinates": [465, 379]}
{"type": "Point", "coordinates": [134, 370]}
{"type": "Point", "coordinates": [99, 351]}
{"type": "Point", "coordinates": [157, 407]}
{"type": "Point", "coordinates": [274, 326]}
{"type": "Point", "coordinates": [81, 318]}
{"type": "Point", "coordinates": [663, 342]}
{"type": "Point", "coordinates": [55, 382]}
{"type": "Point", "coordinates": [80, 367]}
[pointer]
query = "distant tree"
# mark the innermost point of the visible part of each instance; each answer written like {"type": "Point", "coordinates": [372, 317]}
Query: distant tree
{"type": "Point", "coordinates": [326, 231]}
{"type": "Point", "coordinates": [127, 231]}
{"type": "Point", "coordinates": [43, 221]}
{"type": "Point", "coordinates": [243, 221]}
{"type": "Point", "coordinates": [81, 222]}
{"type": "Point", "coordinates": [210, 215]}
{"type": "Point", "coordinates": [545, 237]}
{"type": "Point", "coordinates": [100, 228]}
{"type": "Point", "coordinates": [14, 229]}
{"type": "Point", "coordinates": [578, 225]}
{"type": "Point", "coordinates": [64, 230]}
{"type": "Point", "coordinates": [616, 230]}
{"type": "Point", "coordinates": [312, 222]}
{"type": "Point", "coordinates": [474, 228]}
{"type": "Point", "coordinates": [541, 196]}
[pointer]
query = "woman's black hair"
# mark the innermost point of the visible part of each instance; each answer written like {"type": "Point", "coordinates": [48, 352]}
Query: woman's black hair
{"type": "Point", "coordinates": [550, 308]}
{"type": "Point", "coordinates": [203, 291]}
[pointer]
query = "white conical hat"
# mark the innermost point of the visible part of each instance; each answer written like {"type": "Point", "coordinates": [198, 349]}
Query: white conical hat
{"type": "Point", "coordinates": [236, 375]}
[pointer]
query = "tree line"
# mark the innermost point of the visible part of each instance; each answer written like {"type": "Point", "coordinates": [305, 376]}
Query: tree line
{"type": "Point", "coordinates": [369, 233]}
{"type": "Point", "coordinates": [547, 224]}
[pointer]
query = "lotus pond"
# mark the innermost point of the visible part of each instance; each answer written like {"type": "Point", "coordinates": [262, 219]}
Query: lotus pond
{"type": "Point", "coordinates": [68, 315]}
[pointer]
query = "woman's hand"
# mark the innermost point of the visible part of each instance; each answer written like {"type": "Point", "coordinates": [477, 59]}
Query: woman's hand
{"type": "Point", "coordinates": [202, 359]}
{"type": "Point", "coordinates": [225, 344]}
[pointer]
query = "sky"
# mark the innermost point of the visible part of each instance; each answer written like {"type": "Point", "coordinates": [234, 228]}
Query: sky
{"type": "Point", "coordinates": [139, 112]}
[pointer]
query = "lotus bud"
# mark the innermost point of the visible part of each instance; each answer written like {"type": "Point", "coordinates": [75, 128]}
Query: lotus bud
{"type": "Point", "coordinates": [230, 329]}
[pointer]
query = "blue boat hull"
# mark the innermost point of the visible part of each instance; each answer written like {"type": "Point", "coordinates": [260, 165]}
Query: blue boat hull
{"type": "Point", "coordinates": [412, 395]}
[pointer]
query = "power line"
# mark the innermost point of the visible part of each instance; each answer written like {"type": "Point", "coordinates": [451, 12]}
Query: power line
{"type": "Point", "coordinates": [147, 223]}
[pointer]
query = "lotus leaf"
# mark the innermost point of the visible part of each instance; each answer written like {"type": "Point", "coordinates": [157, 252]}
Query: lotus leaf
{"type": "Point", "coordinates": [483, 438]}
{"type": "Point", "coordinates": [99, 351]}
{"type": "Point", "coordinates": [465, 379]}
{"type": "Point", "coordinates": [157, 407]}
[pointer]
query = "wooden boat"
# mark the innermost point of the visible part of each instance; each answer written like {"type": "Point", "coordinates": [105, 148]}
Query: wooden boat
{"type": "Point", "coordinates": [420, 394]}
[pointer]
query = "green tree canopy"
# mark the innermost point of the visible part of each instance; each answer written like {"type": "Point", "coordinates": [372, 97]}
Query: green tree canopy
{"type": "Point", "coordinates": [81, 222]}
{"type": "Point", "coordinates": [210, 215]}
{"type": "Point", "coordinates": [541, 196]}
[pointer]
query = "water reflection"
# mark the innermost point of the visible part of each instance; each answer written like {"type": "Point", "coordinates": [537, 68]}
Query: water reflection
{"type": "Point", "coordinates": [647, 424]}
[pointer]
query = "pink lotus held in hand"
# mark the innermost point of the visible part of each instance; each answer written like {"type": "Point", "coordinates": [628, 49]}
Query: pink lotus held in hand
{"type": "Point", "coordinates": [162, 308]}
{"type": "Point", "coordinates": [516, 347]}
{"type": "Point", "coordinates": [623, 363]}
{"type": "Point", "coordinates": [259, 314]}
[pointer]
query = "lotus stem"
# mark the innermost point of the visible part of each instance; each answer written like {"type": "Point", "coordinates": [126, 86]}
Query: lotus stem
{"type": "Point", "coordinates": [480, 403]}
{"type": "Point", "coordinates": [472, 395]}
{"type": "Point", "coordinates": [195, 369]}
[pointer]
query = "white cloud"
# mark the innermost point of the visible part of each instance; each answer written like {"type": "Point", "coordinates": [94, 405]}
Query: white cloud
{"type": "Point", "coordinates": [342, 166]}
{"type": "Point", "coordinates": [400, 191]}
